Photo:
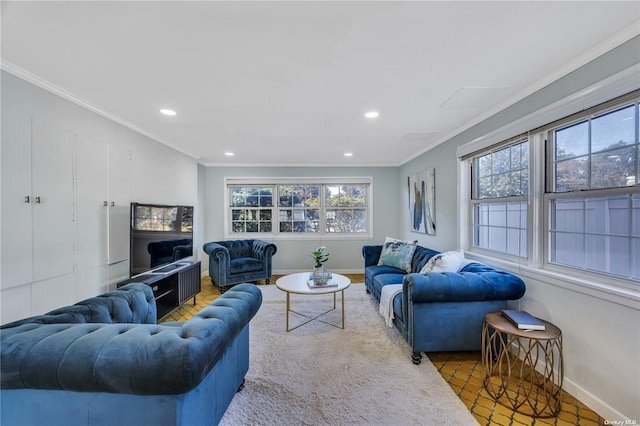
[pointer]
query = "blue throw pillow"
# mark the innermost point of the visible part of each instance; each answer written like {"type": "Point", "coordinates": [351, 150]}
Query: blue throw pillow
{"type": "Point", "coordinates": [398, 253]}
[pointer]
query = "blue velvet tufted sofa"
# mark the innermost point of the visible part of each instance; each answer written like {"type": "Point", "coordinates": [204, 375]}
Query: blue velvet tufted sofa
{"type": "Point", "coordinates": [104, 361]}
{"type": "Point", "coordinates": [444, 311]}
{"type": "Point", "coordinates": [239, 261]}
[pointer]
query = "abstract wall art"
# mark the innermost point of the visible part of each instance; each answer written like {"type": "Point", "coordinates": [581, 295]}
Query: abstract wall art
{"type": "Point", "coordinates": [421, 189]}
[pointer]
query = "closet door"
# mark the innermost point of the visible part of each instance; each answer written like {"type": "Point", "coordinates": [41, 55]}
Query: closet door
{"type": "Point", "coordinates": [119, 202]}
{"type": "Point", "coordinates": [92, 201]}
{"type": "Point", "coordinates": [52, 192]}
{"type": "Point", "coordinates": [16, 183]}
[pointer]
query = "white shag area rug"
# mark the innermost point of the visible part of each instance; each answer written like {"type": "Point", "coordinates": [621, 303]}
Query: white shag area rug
{"type": "Point", "coordinates": [321, 375]}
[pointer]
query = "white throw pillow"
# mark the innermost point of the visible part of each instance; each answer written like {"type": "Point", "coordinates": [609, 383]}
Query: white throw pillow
{"type": "Point", "coordinates": [448, 261]}
{"type": "Point", "coordinates": [428, 267]}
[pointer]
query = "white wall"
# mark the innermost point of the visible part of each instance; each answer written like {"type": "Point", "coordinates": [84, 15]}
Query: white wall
{"type": "Point", "coordinates": [601, 335]}
{"type": "Point", "coordinates": [292, 255]}
{"type": "Point", "coordinates": [158, 175]}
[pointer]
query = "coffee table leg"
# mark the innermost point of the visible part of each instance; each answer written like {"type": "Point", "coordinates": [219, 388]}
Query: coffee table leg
{"type": "Point", "coordinates": [288, 311]}
{"type": "Point", "coordinates": [342, 306]}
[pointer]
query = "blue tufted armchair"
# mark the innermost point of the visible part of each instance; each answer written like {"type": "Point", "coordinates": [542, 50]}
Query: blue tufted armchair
{"type": "Point", "coordinates": [237, 261]}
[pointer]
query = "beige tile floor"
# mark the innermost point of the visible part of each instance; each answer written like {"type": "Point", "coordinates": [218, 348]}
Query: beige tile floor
{"type": "Point", "coordinates": [461, 370]}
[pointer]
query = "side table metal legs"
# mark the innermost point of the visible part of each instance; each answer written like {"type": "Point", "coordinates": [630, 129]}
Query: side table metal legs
{"type": "Point", "coordinates": [510, 374]}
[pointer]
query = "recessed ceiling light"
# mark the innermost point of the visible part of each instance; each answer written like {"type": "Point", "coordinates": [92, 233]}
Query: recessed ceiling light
{"type": "Point", "coordinates": [169, 112]}
{"type": "Point", "coordinates": [372, 114]}
{"type": "Point", "coordinates": [229, 154]}
{"type": "Point", "coordinates": [348, 154]}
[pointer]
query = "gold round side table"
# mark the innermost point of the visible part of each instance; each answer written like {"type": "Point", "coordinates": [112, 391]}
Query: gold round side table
{"type": "Point", "coordinates": [509, 360]}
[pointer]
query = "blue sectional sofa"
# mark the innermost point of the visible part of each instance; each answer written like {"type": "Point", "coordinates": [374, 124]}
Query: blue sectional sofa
{"type": "Point", "coordinates": [441, 311]}
{"type": "Point", "coordinates": [104, 361]}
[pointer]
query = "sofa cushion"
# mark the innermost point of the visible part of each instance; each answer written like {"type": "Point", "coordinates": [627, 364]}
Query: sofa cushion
{"type": "Point", "coordinates": [245, 264]}
{"type": "Point", "coordinates": [398, 253]}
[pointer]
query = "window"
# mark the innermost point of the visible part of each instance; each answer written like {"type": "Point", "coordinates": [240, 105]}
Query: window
{"type": "Point", "coordinates": [566, 198]}
{"type": "Point", "coordinates": [500, 185]}
{"type": "Point", "coordinates": [287, 208]}
{"type": "Point", "coordinates": [593, 203]}
{"type": "Point", "coordinates": [251, 208]}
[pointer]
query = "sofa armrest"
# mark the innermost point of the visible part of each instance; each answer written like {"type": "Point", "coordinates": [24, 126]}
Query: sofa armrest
{"type": "Point", "coordinates": [217, 251]}
{"type": "Point", "coordinates": [462, 287]}
{"type": "Point", "coordinates": [126, 358]}
{"type": "Point", "coordinates": [371, 254]}
{"type": "Point", "coordinates": [263, 250]}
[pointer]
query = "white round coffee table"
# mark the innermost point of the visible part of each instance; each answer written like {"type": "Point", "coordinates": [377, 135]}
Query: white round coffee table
{"type": "Point", "coordinates": [297, 284]}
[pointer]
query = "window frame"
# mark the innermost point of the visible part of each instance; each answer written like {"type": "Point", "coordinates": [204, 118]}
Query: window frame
{"type": "Point", "coordinates": [537, 264]}
{"type": "Point", "coordinates": [632, 98]}
{"type": "Point", "coordinates": [323, 182]}
{"type": "Point", "coordinates": [474, 201]}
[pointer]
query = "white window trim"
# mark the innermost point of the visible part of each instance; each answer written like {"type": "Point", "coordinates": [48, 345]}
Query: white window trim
{"type": "Point", "coordinates": [534, 266]}
{"type": "Point", "coordinates": [367, 180]}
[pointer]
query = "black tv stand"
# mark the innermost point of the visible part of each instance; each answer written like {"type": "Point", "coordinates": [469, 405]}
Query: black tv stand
{"type": "Point", "coordinates": [172, 285]}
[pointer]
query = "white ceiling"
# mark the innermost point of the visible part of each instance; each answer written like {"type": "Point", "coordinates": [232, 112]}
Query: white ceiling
{"type": "Point", "coordinates": [287, 83]}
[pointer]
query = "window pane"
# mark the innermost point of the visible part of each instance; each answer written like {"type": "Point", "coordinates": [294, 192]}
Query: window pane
{"type": "Point", "coordinates": [482, 237]}
{"type": "Point", "coordinates": [299, 220]}
{"type": "Point", "coordinates": [617, 263]}
{"type": "Point", "coordinates": [613, 130]}
{"type": "Point", "coordinates": [605, 244]}
{"type": "Point", "coordinates": [607, 215]}
{"type": "Point", "coordinates": [482, 214]}
{"type": "Point", "coordinates": [635, 254]}
{"type": "Point", "coordinates": [567, 215]}
{"type": "Point", "coordinates": [503, 173]}
{"type": "Point", "coordinates": [635, 217]}
{"type": "Point", "coordinates": [517, 215]}
{"type": "Point", "coordinates": [346, 220]}
{"type": "Point", "coordinates": [501, 161]}
{"type": "Point", "coordinates": [568, 249]}
{"type": "Point", "coordinates": [299, 196]}
{"type": "Point", "coordinates": [498, 214]}
{"type": "Point", "coordinates": [253, 196]}
{"type": "Point", "coordinates": [572, 141]}
{"type": "Point", "coordinates": [513, 241]}
{"type": "Point", "coordinates": [501, 227]}
{"type": "Point", "coordinates": [502, 186]}
{"type": "Point", "coordinates": [572, 174]}
{"type": "Point", "coordinates": [484, 188]}
{"type": "Point", "coordinates": [602, 152]}
{"type": "Point", "coordinates": [613, 169]}
{"type": "Point", "coordinates": [346, 195]}
{"type": "Point", "coordinates": [484, 165]}
{"type": "Point", "coordinates": [498, 239]}
{"type": "Point", "coordinates": [265, 226]}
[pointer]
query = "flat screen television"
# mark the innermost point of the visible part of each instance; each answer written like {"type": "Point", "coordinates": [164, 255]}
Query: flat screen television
{"type": "Point", "coordinates": [159, 235]}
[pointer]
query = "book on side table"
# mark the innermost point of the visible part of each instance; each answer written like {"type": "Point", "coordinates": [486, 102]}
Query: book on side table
{"type": "Point", "coordinates": [523, 320]}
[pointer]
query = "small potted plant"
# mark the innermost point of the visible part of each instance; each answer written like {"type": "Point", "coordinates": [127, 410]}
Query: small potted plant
{"type": "Point", "coordinates": [320, 256]}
